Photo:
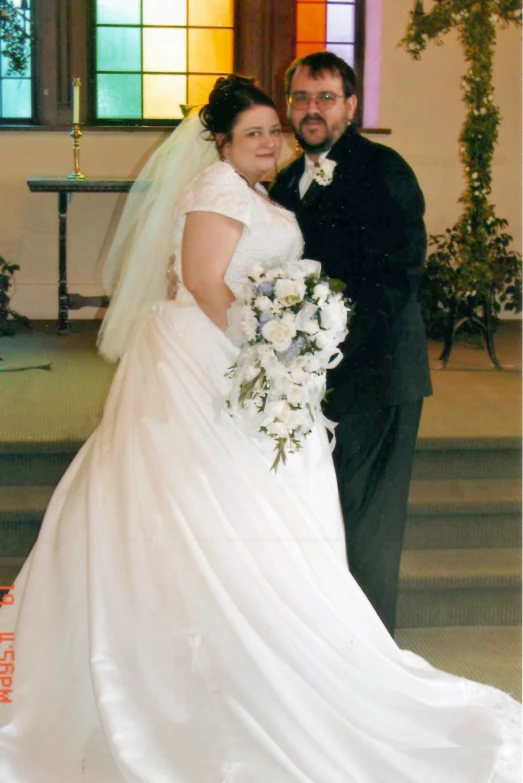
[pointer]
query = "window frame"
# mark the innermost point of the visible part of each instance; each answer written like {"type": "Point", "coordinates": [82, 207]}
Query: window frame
{"type": "Point", "coordinates": [28, 121]}
{"type": "Point", "coordinates": [264, 46]}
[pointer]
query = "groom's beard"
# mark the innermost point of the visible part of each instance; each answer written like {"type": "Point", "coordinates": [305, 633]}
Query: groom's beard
{"type": "Point", "coordinates": [318, 146]}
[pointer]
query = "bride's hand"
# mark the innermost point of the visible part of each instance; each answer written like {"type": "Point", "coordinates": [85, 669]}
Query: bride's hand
{"type": "Point", "coordinates": [173, 281]}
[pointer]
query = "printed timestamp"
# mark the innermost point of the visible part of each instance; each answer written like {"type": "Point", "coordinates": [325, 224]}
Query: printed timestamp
{"type": "Point", "coordinates": [7, 651]}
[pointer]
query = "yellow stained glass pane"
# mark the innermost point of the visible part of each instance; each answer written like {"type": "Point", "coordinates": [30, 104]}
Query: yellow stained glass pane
{"type": "Point", "coordinates": [198, 88]}
{"type": "Point", "coordinates": [210, 51]}
{"type": "Point", "coordinates": [165, 12]}
{"type": "Point", "coordinates": [211, 13]}
{"type": "Point", "coordinates": [164, 50]}
{"type": "Point", "coordinates": [162, 96]}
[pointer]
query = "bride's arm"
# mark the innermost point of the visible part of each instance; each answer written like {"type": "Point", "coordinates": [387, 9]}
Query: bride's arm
{"type": "Point", "coordinates": [208, 243]}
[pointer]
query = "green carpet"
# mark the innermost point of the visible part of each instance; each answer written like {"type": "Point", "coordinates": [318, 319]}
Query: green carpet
{"type": "Point", "coordinates": [491, 655]}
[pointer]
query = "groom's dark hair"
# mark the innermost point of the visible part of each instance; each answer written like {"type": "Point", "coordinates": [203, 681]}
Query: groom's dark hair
{"type": "Point", "coordinates": [323, 61]}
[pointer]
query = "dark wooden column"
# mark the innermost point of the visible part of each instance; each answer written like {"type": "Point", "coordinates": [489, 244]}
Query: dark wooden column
{"type": "Point", "coordinates": [62, 53]}
{"type": "Point", "coordinates": [265, 42]}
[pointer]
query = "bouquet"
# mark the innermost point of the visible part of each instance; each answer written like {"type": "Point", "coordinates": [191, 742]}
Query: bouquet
{"type": "Point", "coordinates": [288, 322]}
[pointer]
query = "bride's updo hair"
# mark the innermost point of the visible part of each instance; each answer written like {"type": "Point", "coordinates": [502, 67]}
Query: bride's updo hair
{"type": "Point", "coordinates": [230, 96]}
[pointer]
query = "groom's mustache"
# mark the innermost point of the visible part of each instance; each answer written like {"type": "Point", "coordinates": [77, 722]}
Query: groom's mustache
{"type": "Point", "coordinates": [314, 117]}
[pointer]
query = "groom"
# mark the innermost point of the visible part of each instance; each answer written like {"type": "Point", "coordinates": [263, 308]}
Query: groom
{"type": "Point", "coordinates": [360, 210]}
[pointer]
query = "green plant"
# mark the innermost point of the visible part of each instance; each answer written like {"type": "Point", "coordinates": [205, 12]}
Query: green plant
{"type": "Point", "coordinates": [471, 262]}
{"type": "Point", "coordinates": [15, 37]}
{"type": "Point", "coordinates": [7, 314]}
{"type": "Point", "coordinates": [446, 290]}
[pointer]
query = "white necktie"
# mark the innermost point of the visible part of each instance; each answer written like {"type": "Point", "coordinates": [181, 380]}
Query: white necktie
{"type": "Point", "coordinates": [306, 177]}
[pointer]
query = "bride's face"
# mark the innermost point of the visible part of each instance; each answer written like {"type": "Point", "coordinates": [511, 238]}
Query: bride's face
{"type": "Point", "coordinates": [255, 144]}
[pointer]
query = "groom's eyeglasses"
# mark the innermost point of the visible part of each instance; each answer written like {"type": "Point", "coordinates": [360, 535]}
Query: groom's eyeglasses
{"type": "Point", "coordinates": [324, 100]}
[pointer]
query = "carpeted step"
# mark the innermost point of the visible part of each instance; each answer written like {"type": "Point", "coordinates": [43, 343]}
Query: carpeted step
{"type": "Point", "coordinates": [35, 463]}
{"type": "Point", "coordinates": [467, 458]}
{"type": "Point", "coordinates": [449, 587]}
{"type": "Point", "coordinates": [22, 509]}
{"type": "Point", "coordinates": [9, 570]}
{"type": "Point", "coordinates": [464, 513]}
{"type": "Point", "coordinates": [487, 654]}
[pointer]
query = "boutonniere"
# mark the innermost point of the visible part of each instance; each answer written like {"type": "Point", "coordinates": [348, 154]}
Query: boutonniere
{"type": "Point", "coordinates": [324, 172]}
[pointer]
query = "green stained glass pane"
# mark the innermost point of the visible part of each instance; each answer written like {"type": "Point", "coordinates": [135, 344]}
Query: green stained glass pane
{"type": "Point", "coordinates": [165, 12]}
{"type": "Point", "coordinates": [118, 49]}
{"type": "Point", "coordinates": [119, 96]}
{"type": "Point", "coordinates": [16, 98]}
{"type": "Point", "coordinates": [118, 12]}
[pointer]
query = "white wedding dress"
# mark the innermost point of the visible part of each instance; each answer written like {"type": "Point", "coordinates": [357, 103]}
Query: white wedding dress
{"type": "Point", "coordinates": [187, 616]}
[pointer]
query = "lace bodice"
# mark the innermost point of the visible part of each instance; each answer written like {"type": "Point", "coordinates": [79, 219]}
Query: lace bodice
{"type": "Point", "coordinates": [270, 236]}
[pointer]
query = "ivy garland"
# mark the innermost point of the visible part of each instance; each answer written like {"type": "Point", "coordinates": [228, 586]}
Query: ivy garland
{"type": "Point", "coordinates": [14, 36]}
{"type": "Point", "coordinates": [474, 252]}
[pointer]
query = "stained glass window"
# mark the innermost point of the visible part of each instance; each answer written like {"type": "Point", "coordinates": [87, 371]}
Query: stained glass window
{"type": "Point", "coordinates": [16, 89]}
{"type": "Point", "coordinates": [330, 24]}
{"type": "Point", "coordinates": [153, 55]}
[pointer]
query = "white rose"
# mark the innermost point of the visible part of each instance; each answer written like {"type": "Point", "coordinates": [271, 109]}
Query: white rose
{"type": "Point", "coordinates": [279, 409]}
{"type": "Point", "coordinates": [290, 319]}
{"type": "Point", "coordinates": [273, 273]}
{"type": "Point", "coordinates": [324, 339]}
{"type": "Point", "coordinates": [278, 429]}
{"type": "Point", "coordinates": [311, 327]}
{"type": "Point", "coordinates": [310, 267]}
{"type": "Point", "coordinates": [249, 322]}
{"type": "Point", "coordinates": [321, 292]}
{"type": "Point", "coordinates": [290, 290]}
{"type": "Point", "coordinates": [299, 375]}
{"type": "Point", "coordinates": [256, 272]}
{"type": "Point", "coordinates": [300, 419]}
{"type": "Point", "coordinates": [313, 362]}
{"type": "Point", "coordinates": [334, 316]}
{"type": "Point", "coordinates": [295, 270]}
{"type": "Point", "coordinates": [297, 395]}
{"type": "Point", "coordinates": [263, 303]}
{"type": "Point", "coordinates": [279, 333]}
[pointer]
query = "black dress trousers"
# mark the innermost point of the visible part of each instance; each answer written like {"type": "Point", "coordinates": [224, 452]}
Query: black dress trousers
{"type": "Point", "coordinates": [373, 458]}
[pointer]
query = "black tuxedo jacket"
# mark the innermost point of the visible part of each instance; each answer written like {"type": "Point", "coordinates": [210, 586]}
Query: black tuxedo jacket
{"type": "Point", "coordinates": [366, 227]}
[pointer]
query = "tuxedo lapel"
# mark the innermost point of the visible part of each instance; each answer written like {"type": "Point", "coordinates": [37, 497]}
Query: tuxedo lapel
{"type": "Point", "coordinates": [288, 193]}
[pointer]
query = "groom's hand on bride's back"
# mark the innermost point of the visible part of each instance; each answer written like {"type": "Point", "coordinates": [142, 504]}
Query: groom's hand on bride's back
{"type": "Point", "coordinates": [173, 281]}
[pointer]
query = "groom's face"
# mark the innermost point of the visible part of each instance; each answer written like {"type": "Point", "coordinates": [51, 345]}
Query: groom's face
{"type": "Point", "coordinates": [317, 125]}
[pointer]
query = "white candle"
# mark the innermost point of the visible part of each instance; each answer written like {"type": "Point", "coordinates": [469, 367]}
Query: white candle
{"type": "Point", "coordinates": [76, 101]}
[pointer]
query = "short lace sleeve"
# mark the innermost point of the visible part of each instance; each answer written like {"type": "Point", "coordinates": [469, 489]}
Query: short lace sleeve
{"type": "Point", "coordinates": [220, 189]}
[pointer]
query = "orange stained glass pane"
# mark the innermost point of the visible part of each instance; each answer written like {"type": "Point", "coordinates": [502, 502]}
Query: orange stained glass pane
{"type": "Point", "coordinates": [211, 13]}
{"type": "Point", "coordinates": [210, 51]}
{"type": "Point", "coordinates": [165, 12]}
{"type": "Point", "coordinates": [312, 1]}
{"type": "Point", "coordinates": [164, 49]}
{"type": "Point", "coordinates": [162, 96]}
{"type": "Point", "coordinates": [310, 22]}
{"type": "Point", "coordinates": [198, 88]}
{"type": "Point", "coordinates": [302, 49]}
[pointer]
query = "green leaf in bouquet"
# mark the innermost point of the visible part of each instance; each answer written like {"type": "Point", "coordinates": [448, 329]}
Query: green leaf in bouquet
{"type": "Point", "coordinates": [337, 286]}
{"type": "Point", "coordinates": [247, 388]}
{"type": "Point", "coordinates": [280, 454]}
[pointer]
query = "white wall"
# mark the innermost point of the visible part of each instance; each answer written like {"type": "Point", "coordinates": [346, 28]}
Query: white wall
{"type": "Point", "coordinates": [420, 103]}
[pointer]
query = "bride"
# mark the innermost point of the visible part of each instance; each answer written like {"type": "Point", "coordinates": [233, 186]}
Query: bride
{"type": "Point", "coordinates": [186, 615]}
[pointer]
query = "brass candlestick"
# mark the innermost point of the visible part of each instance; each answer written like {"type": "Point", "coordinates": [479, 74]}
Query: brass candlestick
{"type": "Point", "coordinates": [76, 133]}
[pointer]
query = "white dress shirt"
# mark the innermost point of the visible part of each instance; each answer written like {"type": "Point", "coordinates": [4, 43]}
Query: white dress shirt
{"type": "Point", "coordinates": [308, 173]}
